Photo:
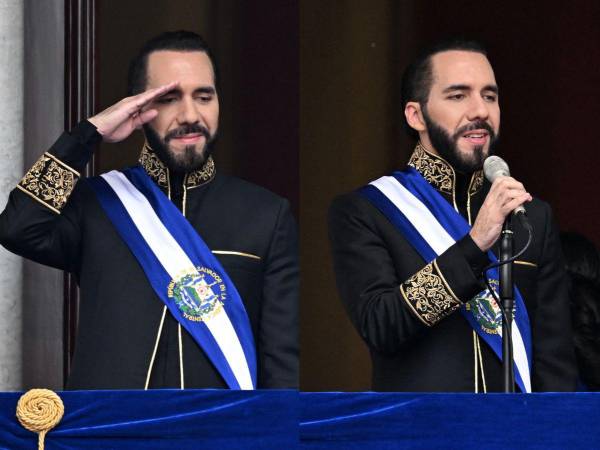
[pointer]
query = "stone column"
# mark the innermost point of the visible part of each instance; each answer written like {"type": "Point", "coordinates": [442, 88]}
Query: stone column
{"type": "Point", "coordinates": [11, 169]}
{"type": "Point", "coordinates": [43, 116]}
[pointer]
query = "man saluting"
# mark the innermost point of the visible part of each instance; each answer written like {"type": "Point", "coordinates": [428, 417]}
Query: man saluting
{"type": "Point", "coordinates": [189, 278]}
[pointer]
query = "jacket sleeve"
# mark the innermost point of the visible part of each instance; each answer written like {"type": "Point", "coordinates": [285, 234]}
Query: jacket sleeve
{"type": "Point", "coordinates": [389, 304]}
{"type": "Point", "coordinates": [278, 337]}
{"type": "Point", "coordinates": [554, 365]}
{"type": "Point", "coordinates": [41, 218]}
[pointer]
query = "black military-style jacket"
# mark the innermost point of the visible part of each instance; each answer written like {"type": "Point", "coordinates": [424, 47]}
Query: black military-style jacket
{"type": "Point", "coordinates": [54, 218]}
{"type": "Point", "coordinates": [407, 311]}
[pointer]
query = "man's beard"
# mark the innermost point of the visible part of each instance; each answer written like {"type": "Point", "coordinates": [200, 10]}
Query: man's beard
{"type": "Point", "coordinates": [188, 160]}
{"type": "Point", "coordinates": [447, 146]}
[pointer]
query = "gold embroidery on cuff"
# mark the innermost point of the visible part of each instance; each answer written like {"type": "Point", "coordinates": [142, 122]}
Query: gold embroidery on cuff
{"type": "Point", "coordinates": [428, 295]}
{"type": "Point", "coordinates": [49, 181]}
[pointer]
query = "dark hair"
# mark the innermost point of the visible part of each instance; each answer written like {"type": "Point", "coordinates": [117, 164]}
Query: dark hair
{"type": "Point", "coordinates": [581, 257]}
{"type": "Point", "coordinates": [185, 41]}
{"type": "Point", "coordinates": [582, 263]}
{"type": "Point", "coordinates": [418, 76]}
{"type": "Point", "coordinates": [585, 316]}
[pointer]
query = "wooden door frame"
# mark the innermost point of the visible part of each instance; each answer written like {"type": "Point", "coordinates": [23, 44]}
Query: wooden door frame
{"type": "Point", "coordinates": [81, 94]}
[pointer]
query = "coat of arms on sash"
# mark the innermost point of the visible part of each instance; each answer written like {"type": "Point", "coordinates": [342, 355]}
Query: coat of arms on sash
{"type": "Point", "coordinates": [198, 293]}
{"type": "Point", "coordinates": [431, 225]}
{"type": "Point", "coordinates": [486, 311]}
{"type": "Point", "coordinates": [183, 272]}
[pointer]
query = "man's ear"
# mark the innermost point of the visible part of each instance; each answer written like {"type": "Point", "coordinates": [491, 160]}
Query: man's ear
{"type": "Point", "coordinates": [414, 116]}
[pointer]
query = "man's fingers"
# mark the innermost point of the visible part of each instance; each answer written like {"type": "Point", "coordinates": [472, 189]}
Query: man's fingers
{"type": "Point", "coordinates": [136, 103]}
{"type": "Point", "coordinates": [144, 117]}
{"type": "Point", "coordinates": [517, 201]}
{"type": "Point", "coordinates": [509, 194]}
{"type": "Point", "coordinates": [505, 189]}
{"type": "Point", "coordinates": [149, 95]}
{"type": "Point", "coordinates": [128, 109]}
{"type": "Point", "coordinates": [507, 183]}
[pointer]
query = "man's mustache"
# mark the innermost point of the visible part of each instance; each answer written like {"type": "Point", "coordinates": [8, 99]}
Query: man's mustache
{"type": "Point", "coordinates": [188, 129]}
{"type": "Point", "coordinates": [479, 125]}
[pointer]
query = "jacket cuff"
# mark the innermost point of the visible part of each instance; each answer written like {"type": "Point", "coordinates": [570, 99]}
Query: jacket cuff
{"type": "Point", "coordinates": [52, 178]}
{"type": "Point", "coordinates": [50, 182]}
{"type": "Point", "coordinates": [476, 258]}
{"type": "Point", "coordinates": [428, 295]}
{"type": "Point", "coordinates": [75, 148]}
{"type": "Point", "coordinates": [443, 285]}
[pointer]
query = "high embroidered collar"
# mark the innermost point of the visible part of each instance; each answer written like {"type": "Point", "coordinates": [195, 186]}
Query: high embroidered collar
{"type": "Point", "coordinates": [157, 170]}
{"type": "Point", "coordinates": [439, 173]}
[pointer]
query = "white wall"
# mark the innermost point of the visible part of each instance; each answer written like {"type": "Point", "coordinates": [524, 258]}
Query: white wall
{"type": "Point", "coordinates": [11, 170]}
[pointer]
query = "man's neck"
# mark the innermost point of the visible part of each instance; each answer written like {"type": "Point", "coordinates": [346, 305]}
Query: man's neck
{"type": "Point", "coordinates": [164, 177]}
{"type": "Point", "coordinates": [455, 186]}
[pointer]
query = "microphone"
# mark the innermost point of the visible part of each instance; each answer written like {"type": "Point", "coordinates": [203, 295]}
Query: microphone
{"type": "Point", "coordinates": [494, 167]}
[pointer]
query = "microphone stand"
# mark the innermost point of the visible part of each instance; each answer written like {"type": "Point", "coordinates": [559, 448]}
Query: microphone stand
{"type": "Point", "coordinates": [507, 297]}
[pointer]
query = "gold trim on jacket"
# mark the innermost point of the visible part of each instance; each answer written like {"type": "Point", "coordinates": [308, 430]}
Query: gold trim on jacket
{"type": "Point", "coordinates": [440, 174]}
{"type": "Point", "coordinates": [158, 171]}
{"type": "Point", "coordinates": [50, 182]}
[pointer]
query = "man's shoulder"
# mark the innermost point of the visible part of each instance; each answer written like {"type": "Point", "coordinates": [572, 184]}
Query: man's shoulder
{"type": "Point", "coordinates": [235, 188]}
{"type": "Point", "coordinates": [538, 209]}
{"type": "Point", "coordinates": [245, 205]}
{"type": "Point", "coordinates": [353, 209]}
{"type": "Point", "coordinates": [350, 202]}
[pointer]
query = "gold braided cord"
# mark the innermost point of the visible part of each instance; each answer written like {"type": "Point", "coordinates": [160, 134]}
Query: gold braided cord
{"type": "Point", "coordinates": [481, 366]}
{"type": "Point", "coordinates": [40, 410]}
{"type": "Point", "coordinates": [475, 368]}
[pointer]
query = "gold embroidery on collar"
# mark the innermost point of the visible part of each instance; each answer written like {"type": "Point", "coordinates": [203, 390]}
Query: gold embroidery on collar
{"type": "Point", "coordinates": [160, 173]}
{"type": "Point", "coordinates": [202, 175]}
{"type": "Point", "coordinates": [439, 173]}
{"type": "Point", "coordinates": [154, 167]}
{"type": "Point", "coordinates": [434, 169]}
{"type": "Point", "coordinates": [474, 186]}
{"type": "Point", "coordinates": [476, 182]}
{"type": "Point", "coordinates": [428, 295]}
{"type": "Point", "coordinates": [50, 182]}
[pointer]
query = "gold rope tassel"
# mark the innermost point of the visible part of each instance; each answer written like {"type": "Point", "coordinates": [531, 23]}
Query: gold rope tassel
{"type": "Point", "coordinates": [40, 410]}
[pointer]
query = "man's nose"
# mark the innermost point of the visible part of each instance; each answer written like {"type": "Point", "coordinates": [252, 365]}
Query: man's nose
{"type": "Point", "coordinates": [478, 109]}
{"type": "Point", "coordinates": [188, 112]}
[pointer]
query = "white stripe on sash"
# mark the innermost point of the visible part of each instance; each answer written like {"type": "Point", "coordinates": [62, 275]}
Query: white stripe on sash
{"type": "Point", "coordinates": [519, 355]}
{"type": "Point", "coordinates": [416, 212]}
{"type": "Point", "coordinates": [439, 240]}
{"type": "Point", "coordinates": [175, 261]}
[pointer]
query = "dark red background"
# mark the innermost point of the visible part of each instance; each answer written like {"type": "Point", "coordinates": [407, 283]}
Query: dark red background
{"type": "Point", "coordinates": [546, 58]}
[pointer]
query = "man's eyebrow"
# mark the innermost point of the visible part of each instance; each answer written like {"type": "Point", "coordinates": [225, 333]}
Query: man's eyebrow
{"type": "Point", "coordinates": [465, 87]}
{"type": "Point", "coordinates": [201, 90]}
{"type": "Point", "coordinates": [457, 87]}
{"type": "Point", "coordinates": [175, 90]}
{"type": "Point", "coordinates": [205, 90]}
{"type": "Point", "coordinates": [491, 88]}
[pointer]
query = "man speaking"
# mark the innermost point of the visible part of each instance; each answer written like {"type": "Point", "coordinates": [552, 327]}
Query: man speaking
{"type": "Point", "coordinates": [409, 249]}
{"type": "Point", "coordinates": [189, 278]}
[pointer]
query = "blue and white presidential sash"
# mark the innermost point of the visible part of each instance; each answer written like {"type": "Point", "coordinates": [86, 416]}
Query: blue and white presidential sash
{"type": "Point", "coordinates": [183, 272]}
{"type": "Point", "coordinates": [432, 225]}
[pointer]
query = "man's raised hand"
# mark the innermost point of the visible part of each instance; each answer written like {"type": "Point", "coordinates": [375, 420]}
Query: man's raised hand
{"type": "Point", "coordinates": [118, 121]}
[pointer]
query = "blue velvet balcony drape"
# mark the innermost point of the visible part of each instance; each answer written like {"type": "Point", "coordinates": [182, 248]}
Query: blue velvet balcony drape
{"type": "Point", "coordinates": [162, 419]}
